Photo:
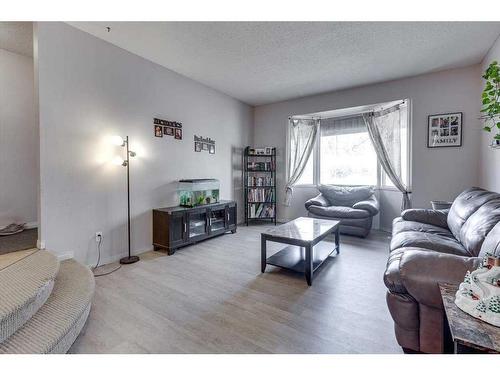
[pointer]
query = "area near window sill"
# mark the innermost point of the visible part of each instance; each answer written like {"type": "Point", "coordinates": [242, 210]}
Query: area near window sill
{"type": "Point", "coordinates": [308, 186]}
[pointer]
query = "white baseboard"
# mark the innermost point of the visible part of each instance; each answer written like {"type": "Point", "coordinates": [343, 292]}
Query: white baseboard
{"type": "Point", "coordinates": [107, 259]}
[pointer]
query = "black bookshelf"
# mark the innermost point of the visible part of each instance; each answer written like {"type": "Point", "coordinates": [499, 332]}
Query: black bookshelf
{"type": "Point", "coordinates": [259, 185]}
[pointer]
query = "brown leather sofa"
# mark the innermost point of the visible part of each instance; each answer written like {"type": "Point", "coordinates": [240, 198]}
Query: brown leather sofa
{"type": "Point", "coordinates": [430, 247]}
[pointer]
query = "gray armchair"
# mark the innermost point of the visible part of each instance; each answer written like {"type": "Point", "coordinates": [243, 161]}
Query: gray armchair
{"type": "Point", "coordinates": [353, 206]}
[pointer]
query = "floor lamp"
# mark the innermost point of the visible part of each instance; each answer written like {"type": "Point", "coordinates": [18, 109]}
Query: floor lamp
{"type": "Point", "coordinates": [126, 163]}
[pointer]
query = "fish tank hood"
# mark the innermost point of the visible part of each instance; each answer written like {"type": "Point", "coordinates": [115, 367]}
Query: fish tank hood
{"type": "Point", "coordinates": [198, 191]}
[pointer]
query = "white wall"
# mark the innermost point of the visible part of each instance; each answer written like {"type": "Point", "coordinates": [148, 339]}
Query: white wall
{"type": "Point", "coordinates": [89, 90]}
{"type": "Point", "coordinates": [18, 140]}
{"type": "Point", "coordinates": [436, 173]}
{"type": "Point", "coordinates": [490, 158]}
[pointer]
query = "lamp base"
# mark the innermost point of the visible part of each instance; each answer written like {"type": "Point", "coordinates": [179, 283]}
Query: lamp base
{"type": "Point", "coordinates": [129, 260]}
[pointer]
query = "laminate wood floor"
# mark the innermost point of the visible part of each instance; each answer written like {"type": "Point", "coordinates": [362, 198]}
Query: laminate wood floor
{"type": "Point", "coordinates": [212, 298]}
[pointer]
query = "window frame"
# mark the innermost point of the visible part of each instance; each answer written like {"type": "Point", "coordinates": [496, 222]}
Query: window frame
{"type": "Point", "coordinates": [381, 177]}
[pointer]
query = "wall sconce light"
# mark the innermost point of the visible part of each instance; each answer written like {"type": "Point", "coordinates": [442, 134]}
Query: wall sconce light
{"type": "Point", "coordinates": [119, 141]}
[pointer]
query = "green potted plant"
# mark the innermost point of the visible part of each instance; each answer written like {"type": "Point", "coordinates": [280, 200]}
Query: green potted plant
{"type": "Point", "coordinates": [491, 101]}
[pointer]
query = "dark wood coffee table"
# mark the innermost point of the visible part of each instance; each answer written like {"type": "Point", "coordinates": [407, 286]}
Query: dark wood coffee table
{"type": "Point", "coordinates": [306, 251]}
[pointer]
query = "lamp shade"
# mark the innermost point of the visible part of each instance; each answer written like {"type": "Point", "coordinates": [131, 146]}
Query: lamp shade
{"type": "Point", "coordinates": [117, 160]}
{"type": "Point", "coordinates": [117, 140]}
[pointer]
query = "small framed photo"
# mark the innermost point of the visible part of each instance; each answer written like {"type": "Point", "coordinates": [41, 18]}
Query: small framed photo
{"type": "Point", "coordinates": [205, 146]}
{"type": "Point", "coordinates": [167, 130]}
{"type": "Point", "coordinates": [158, 131]}
{"type": "Point", "coordinates": [197, 147]}
{"type": "Point", "coordinates": [444, 130]}
{"type": "Point", "coordinates": [211, 149]}
{"type": "Point", "coordinates": [178, 133]}
{"type": "Point", "coordinates": [269, 150]}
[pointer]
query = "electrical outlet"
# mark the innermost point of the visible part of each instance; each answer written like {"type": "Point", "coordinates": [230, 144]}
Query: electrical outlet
{"type": "Point", "coordinates": [98, 236]}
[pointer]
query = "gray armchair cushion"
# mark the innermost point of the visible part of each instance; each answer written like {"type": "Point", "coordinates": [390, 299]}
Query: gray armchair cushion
{"type": "Point", "coordinates": [345, 195]}
{"type": "Point", "coordinates": [426, 216]}
{"type": "Point", "coordinates": [339, 212]}
{"type": "Point", "coordinates": [319, 200]}
{"type": "Point", "coordinates": [370, 205]}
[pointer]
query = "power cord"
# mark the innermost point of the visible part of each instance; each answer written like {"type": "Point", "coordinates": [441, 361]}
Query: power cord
{"type": "Point", "coordinates": [99, 243]}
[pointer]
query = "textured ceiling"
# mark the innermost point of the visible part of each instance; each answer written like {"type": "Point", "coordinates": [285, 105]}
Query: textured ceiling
{"type": "Point", "coordinates": [17, 37]}
{"type": "Point", "coordinates": [264, 62]}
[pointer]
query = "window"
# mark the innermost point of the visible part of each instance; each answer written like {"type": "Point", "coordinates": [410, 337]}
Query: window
{"type": "Point", "coordinates": [344, 154]}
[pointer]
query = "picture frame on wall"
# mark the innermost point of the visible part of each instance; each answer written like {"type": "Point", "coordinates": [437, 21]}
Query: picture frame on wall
{"type": "Point", "coordinates": [178, 133]}
{"type": "Point", "coordinates": [444, 130]}
{"type": "Point", "coordinates": [168, 131]}
{"type": "Point", "coordinates": [158, 131]}
{"type": "Point", "coordinates": [205, 146]}
{"type": "Point", "coordinates": [197, 147]}
{"type": "Point", "coordinates": [211, 149]}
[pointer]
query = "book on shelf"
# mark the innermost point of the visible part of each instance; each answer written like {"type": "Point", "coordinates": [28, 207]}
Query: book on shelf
{"type": "Point", "coordinates": [261, 210]}
{"type": "Point", "coordinates": [260, 166]}
{"type": "Point", "coordinates": [260, 181]}
{"type": "Point", "coordinates": [260, 195]}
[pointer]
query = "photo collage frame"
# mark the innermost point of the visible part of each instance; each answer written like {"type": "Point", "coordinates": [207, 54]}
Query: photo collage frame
{"type": "Point", "coordinates": [445, 130]}
{"type": "Point", "coordinates": [204, 144]}
{"type": "Point", "coordinates": [167, 128]}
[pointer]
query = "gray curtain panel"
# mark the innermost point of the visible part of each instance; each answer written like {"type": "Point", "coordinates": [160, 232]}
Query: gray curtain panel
{"type": "Point", "coordinates": [302, 133]}
{"type": "Point", "coordinates": [384, 128]}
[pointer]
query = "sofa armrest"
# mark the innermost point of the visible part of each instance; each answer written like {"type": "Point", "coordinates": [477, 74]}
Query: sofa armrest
{"type": "Point", "coordinates": [319, 200]}
{"type": "Point", "coordinates": [427, 216]}
{"type": "Point", "coordinates": [421, 271]}
{"type": "Point", "coordinates": [370, 205]}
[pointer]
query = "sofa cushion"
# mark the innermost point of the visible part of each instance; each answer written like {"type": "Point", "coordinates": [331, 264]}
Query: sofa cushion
{"type": "Point", "coordinates": [400, 225]}
{"type": "Point", "coordinates": [345, 195]}
{"type": "Point", "coordinates": [465, 205]}
{"type": "Point", "coordinates": [491, 243]}
{"type": "Point", "coordinates": [422, 215]}
{"type": "Point", "coordinates": [478, 225]}
{"type": "Point", "coordinates": [339, 212]}
{"type": "Point", "coordinates": [425, 240]}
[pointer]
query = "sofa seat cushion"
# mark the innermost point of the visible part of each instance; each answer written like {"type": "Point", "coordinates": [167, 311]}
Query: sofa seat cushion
{"type": "Point", "coordinates": [399, 225]}
{"type": "Point", "coordinates": [339, 212]}
{"type": "Point", "coordinates": [431, 241]}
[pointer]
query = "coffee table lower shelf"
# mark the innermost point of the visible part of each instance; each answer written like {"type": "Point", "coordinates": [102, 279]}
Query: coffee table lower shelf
{"type": "Point", "coordinates": [294, 257]}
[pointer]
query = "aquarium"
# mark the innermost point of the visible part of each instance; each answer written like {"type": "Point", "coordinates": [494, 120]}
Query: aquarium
{"type": "Point", "coordinates": [197, 192]}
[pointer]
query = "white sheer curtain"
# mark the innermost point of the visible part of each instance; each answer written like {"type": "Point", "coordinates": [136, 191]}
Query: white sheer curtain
{"type": "Point", "coordinates": [384, 128]}
{"type": "Point", "coordinates": [302, 133]}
